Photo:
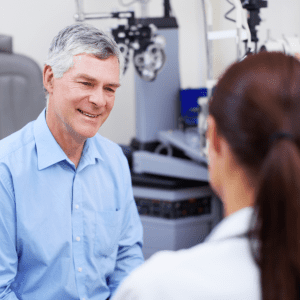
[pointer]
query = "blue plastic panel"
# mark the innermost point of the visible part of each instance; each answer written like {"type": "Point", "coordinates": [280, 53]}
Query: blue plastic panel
{"type": "Point", "coordinates": [189, 105]}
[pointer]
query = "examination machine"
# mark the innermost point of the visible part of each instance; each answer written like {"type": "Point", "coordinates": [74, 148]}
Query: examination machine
{"type": "Point", "coordinates": [168, 155]}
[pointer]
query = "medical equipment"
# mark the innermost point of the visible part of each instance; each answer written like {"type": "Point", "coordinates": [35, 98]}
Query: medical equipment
{"type": "Point", "coordinates": [141, 39]}
{"type": "Point", "coordinates": [157, 113]}
{"type": "Point", "coordinates": [245, 32]}
{"type": "Point", "coordinates": [149, 56]}
{"type": "Point", "coordinates": [253, 7]}
{"type": "Point", "coordinates": [177, 218]}
{"type": "Point", "coordinates": [192, 141]}
{"type": "Point", "coordinates": [157, 97]}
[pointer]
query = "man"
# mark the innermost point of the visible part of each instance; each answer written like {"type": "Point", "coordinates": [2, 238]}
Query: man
{"type": "Point", "coordinates": [69, 227]}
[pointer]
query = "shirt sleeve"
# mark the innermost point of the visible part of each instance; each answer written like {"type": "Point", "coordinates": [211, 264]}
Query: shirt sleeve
{"type": "Point", "coordinates": [130, 254]}
{"type": "Point", "coordinates": [8, 253]}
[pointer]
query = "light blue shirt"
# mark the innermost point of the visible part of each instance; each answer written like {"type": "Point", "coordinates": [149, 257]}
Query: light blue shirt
{"type": "Point", "coordinates": [65, 233]}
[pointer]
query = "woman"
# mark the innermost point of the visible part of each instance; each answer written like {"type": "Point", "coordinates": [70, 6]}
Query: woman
{"type": "Point", "coordinates": [254, 167]}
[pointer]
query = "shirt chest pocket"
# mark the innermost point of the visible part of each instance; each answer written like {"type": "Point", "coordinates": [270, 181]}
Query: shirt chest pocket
{"type": "Point", "coordinates": [107, 232]}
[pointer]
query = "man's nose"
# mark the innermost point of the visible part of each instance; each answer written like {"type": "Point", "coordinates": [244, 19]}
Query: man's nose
{"type": "Point", "coordinates": [98, 97]}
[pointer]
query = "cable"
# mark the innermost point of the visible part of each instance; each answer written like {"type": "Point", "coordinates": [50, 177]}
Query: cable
{"type": "Point", "coordinates": [231, 10]}
{"type": "Point", "coordinates": [132, 2]}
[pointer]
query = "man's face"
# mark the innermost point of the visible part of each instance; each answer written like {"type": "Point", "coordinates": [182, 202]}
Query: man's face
{"type": "Point", "coordinates": [81, 101]}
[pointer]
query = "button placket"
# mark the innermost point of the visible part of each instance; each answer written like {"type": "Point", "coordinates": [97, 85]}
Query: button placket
{"type": "Point", "coordinates": [77, 232]}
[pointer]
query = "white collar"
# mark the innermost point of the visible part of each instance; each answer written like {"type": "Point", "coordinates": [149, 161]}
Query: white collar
{"type": "Point", "coordinates": [235, 224]}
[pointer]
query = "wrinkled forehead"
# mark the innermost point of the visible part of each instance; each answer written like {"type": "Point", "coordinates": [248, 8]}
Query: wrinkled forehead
{"type": "Point", "coordinates": [91, 60]}
{"type": "Point", "coordinates": [95, 68]}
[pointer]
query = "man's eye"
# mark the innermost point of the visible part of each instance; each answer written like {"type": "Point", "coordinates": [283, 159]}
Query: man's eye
{"type": "Point", "coordinates": [86, 83]}
{"type": "Point", "coordinates": [110, 90]}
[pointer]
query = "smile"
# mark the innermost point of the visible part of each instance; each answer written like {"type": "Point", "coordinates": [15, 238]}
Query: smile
{"type": "Point", "coordinates": [91, 116]}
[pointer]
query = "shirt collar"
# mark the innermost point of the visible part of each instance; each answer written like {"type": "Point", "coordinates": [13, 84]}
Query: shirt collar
{"type": "Point", "coordinates": [48, 150]}
{"type": "Point", "coordinates": [90, 152]}
{"type": "Point", "coordinates": [233, 225]}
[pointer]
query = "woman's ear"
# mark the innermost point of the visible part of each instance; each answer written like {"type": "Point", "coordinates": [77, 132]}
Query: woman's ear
{"type": "Point", "coordinates": [48, 78]}
{"type": "Point", "coordinates": [213, 136]}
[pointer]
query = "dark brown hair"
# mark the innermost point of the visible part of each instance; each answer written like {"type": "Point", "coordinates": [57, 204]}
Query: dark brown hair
{"type": "Point", "coordinates": [255, 99]}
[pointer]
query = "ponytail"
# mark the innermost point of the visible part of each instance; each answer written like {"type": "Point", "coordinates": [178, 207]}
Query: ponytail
{"type": "Point", "coordinates": [277, 223]}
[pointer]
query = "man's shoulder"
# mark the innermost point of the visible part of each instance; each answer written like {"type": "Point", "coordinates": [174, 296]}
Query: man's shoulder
{"type": "Point", "coordinates": [18, 140]}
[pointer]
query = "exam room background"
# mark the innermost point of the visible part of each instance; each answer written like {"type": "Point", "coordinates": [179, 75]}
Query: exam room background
{"type": "Point", "coordinates": [33, 24]}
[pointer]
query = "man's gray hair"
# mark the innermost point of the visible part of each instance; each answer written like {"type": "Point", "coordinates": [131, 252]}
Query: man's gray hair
{"type": "Point", "coordinates": [76, 39]}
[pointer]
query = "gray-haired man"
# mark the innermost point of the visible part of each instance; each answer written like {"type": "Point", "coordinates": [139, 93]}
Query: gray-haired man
{"type": "Point", "coordinates": [69, 227]}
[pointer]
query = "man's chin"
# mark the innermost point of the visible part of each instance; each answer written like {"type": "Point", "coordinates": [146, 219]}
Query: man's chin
{"type": "Point", "coordinates": [86, 135]}
{"type": "Point", "coordinates": [81, 135]}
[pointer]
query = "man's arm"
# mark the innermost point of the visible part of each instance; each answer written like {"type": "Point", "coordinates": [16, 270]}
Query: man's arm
{"type": "Point", "coordinates": [8, 254]}
{"type": "Point", "coordinates": [130, 254]}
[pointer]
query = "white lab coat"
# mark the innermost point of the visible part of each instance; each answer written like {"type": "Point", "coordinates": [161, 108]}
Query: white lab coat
{"type": "Point", "coordinates": [221, 268]}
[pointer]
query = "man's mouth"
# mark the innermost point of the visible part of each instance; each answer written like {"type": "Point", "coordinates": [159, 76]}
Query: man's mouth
{"type": "Point", "coordinates": [86, 114]}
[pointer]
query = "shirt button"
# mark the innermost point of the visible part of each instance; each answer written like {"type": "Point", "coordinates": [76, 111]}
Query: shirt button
{"type": "Point", "coordinates": [79, 269]}
{"type": "Point", "coordinates": [76, 206]}
{"type": "Point", "coordinates": [78, 239]}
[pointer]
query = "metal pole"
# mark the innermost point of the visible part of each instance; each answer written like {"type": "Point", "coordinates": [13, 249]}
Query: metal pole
{"type": "Point", "coordinates": [144, 8]}
{"type": "Point", "coordinates": [239, 12]}
{"type": "Point", "coordinates": [80, 15]}
{"type": "Point", "coordinates": [91, 16]}
{"type": "Point", "coordinates": [203, 102]}
{"type": "Point", "coordinates": [208, 27]}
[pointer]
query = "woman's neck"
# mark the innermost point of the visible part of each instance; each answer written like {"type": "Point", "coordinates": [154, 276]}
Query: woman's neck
{"type": "Point", "coordinates": [238, 192]}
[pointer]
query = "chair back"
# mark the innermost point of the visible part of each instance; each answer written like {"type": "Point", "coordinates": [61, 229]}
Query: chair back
{"type": "Point", "coordinates": [21, 89]}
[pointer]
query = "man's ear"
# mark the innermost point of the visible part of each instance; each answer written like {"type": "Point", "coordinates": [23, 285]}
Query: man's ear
{"type": "Point", "coordinates": [214, 137]}
{"type": "Point", "coordinates": [48, 78]}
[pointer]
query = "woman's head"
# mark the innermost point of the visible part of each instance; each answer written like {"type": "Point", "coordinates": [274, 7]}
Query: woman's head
{"type": "Point", "coordinates": [253, 100]}
{"type": "Point", "coordinates": [256, 111]}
